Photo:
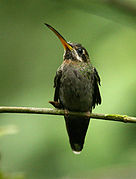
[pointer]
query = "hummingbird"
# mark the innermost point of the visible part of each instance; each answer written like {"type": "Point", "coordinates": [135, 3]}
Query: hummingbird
{"type": "Point", "coordinates": [76, 89]}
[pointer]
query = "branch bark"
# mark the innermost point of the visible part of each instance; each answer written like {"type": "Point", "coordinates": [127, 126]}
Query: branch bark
{"type": "Point", "coordinates": [33, 110]}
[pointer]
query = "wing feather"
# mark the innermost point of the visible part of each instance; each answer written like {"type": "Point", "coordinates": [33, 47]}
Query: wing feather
{"type": "Point", "coordinates": [57, 85]}
{"type": "Point", "coordinates": [96, 94]}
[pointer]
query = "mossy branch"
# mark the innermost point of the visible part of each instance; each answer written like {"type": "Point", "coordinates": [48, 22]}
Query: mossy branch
{"type": "Point", "coordinates": [33, 110]}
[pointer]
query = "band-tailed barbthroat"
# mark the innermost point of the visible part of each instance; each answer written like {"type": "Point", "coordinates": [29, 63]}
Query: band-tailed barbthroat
{"type": "Point", "coordinates": [76, 89]}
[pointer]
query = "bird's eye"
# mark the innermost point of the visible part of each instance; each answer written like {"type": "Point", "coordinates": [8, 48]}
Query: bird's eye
{"type": "Point", "coordinates": [80, 51]}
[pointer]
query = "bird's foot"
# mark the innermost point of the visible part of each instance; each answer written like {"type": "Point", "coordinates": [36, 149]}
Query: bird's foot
{"type": "Point", "coordinates": [56, 104]}
{"type": "Point", "coordinates": [88, 113]}
{"type": "Point", "coordinates": [66, 112]}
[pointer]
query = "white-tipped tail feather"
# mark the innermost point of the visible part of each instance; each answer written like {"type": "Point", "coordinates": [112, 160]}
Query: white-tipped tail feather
{"type": "Point", "coordinates": [77, 153]}
{"type": "Point", "coordinates": [77, 148]}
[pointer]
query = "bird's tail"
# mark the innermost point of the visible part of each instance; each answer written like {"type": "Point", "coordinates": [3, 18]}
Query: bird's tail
{"type": "Point", "coordinates": [76, 128]}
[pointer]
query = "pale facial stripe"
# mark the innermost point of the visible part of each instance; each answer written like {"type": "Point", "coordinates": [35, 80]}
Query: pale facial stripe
{"type": "Point", "coordinates": [77, 56]}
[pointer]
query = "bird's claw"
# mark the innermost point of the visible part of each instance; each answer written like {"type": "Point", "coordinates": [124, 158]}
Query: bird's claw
{"type": "Point", "coordinates": [88, 113]}
{"type": "Point", "coordinates": [56, 104]}
{"type": "Point", "coordinates": [66, 112]}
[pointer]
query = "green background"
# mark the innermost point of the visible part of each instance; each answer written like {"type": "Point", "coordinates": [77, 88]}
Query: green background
{"type": "Point", "coordinates": [29, 57]}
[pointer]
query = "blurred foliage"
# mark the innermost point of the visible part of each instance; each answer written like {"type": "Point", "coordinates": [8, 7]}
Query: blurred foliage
{"type": "Point", "coordinates": [8, 129]}
{"type": "Point", "coordinates": [30, 55]}
{"type": "Point", "coordinates": [9, 176]}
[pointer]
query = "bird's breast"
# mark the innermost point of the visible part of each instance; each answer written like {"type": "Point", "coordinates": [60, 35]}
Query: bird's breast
{"type": "Point", "coordinates": [76, 88]}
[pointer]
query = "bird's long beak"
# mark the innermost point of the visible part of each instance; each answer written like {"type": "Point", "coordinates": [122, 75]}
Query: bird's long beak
{"type": "Point", "coordinates": [63, 41]}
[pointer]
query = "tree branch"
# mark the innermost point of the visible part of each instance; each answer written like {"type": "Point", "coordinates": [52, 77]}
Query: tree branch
{"type": "Point", "coordinates": [32, 110]}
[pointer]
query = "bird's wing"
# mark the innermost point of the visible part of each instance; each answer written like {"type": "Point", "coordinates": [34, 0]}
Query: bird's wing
{"type": "Point", "coordinates": [57, 84]}
{"type": "Point", "coordinates": [96, 93]}
{"type": "Point", "coordinates": [56, 102]}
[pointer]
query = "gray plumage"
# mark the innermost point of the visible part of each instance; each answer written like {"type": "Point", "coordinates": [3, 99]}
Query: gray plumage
{"type": "Point", "coordinates": [76, 89]}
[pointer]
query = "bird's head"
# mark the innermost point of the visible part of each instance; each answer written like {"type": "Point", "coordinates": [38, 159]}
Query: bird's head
{"type": "Point", "coordinates": [72, 51]}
